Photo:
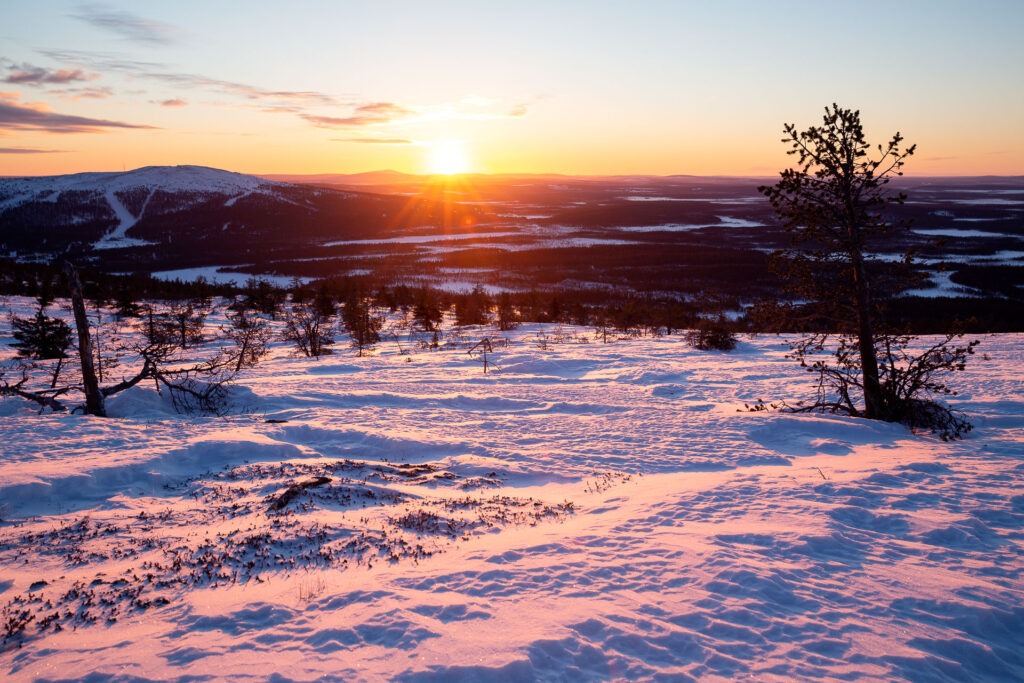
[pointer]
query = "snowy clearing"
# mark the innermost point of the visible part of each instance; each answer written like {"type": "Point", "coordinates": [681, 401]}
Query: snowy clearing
{"type": "Point", "coordinates": [583, 511]}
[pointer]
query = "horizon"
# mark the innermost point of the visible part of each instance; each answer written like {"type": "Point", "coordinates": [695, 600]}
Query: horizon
{"type": "Point", "coordinates": [443, 177]}
{"type": "Point", "coordinates": [671, 89]}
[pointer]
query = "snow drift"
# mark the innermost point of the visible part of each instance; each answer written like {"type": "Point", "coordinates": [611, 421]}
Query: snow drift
{"type": "Point", "coordinates": [586, 511]}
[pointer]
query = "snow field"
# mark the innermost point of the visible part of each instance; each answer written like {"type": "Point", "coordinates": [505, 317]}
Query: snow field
{"type": "Point", "coordinates": [585, 511]}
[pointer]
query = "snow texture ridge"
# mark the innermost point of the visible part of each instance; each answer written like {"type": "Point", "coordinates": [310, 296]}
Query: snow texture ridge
{"type": "Point", "coordinates": [584, 511]}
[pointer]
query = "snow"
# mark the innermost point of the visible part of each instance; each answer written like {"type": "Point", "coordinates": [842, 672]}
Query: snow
{"type": "Point", "coordinates": [583, 511]}
{"type": "Point", "coordinates": [956, 232]}
{"type": "Point", "coordinates": [988, 201]}
{"type": "Point", "coordinates": [988, 191]}
{"type": "Point", "coordinates": [458, 286]}
{"type": "Point", "coordinates": [125, 219]}
{"type": "Point", "coordinates": [231, 202]}
{"type": "Point", "coordinates": [723, 222]}
{"type": "Point", "coordinates": [216, 275]}
{"type": "Point", "coordinates": [171, 179]}
{"type": "Point", "coordinates": [943, 286]}
{"type": "Point", "coordinates": [167, 178]}
{"type": "Point", "coordinates": [732, 201]}
{"type": "Point", "coordinates": [422, 239]}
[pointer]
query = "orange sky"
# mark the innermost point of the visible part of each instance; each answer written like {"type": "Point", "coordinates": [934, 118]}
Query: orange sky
{"type": "Point", "coordinates": [534, 87]}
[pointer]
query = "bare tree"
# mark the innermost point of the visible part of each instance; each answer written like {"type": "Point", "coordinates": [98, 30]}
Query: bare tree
{"type": "Point", "coordinates": [187, 323]}
{"type": "Point", "coordinates": [95, 400]}
{"type": "Point", "coordinates": [310, 327]}
{"type": "Point", "coordinates": [192, 385]}
{"type": "Point", "coordinates": [250, 334]}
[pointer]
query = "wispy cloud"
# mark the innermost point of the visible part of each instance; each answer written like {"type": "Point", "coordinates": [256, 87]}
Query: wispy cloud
{"type": "Point", "coordinates": [518, 111]}
{"type": "Point", "coordinates": [270, 100]}
{"type": "Point", "coordinates": [316, 108]}
{"type": "Point", "coordinates": [75, 94]}
{"type": "Point", "coordinates": [243, 90]}
{"type": "Point", "coordinates": [128, 25]}
{"type": "Point", "coordinates": [476, 107]}
{"type": "Point", "coordinates": [472, 108]}
{"type": "Point", "coordinates": [60, 82]}
{"type": "Point", "coordinates": [27, 150]}
{"type": "Point", "coordinates": [27, 74]}
{"type": "Point", "coordinates": [375, 141]}
{"type": "Point", "coordinates": [17, 116]}
{"type": "Point", "coordinates": [101, 61]}
{"type": "Point", "coordinates": [363, 115]}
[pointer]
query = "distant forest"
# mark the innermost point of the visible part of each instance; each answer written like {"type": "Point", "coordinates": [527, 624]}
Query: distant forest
{"type": "Point", "coordinates": [621, 310]}
{"type": "Point", "coordinates": [631, 252]}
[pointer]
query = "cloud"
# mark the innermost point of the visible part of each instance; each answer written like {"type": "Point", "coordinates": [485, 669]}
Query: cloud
{"type": "Point", "coordinates": [363, 115]}
{"type": "Point", "coordinates": [375, 141]}
{"type": "Point", "coordinates": [26, 150]}
{"type": "Point", "coordinates": [384, 109]}
{"type": "Point", "coordinates": [271, 100]}
{"type": "Point", "coordinates": [83, 93]}
{"type": "Point", "coordinates": [27, 74]}
{"type": "Point", "coordinates": [244, 90]}
{"type": "Point", "coordinates": [314, 107]}
{"type": "Point", "coordinates": [102, 61]}
{"type": "Point", "coordinates": [174, 103]}
{"type": "Point", "coordinates": [17, 116]}
{"type": "Point", "coordinates": [473, 108]}
{"type": "Point", "coordinates": [128, 25]}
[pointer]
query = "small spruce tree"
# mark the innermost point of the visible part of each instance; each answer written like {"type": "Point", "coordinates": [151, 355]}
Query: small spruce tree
{"type": "Point", "coordinates": [41, 337]}
{"type": "Point", "coordinates": [361, 323]}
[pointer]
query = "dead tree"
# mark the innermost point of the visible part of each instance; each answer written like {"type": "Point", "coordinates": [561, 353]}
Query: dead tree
{"type": "Point", "coordinates": [95, 403]}
{"type": "Point", "coordinates": [200, 386]}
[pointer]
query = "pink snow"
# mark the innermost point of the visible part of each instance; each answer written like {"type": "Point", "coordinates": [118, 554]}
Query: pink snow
{"type": "Point", "coordinates": [688, 538]}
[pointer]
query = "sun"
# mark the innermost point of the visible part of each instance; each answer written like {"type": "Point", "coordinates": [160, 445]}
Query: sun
{"type": "Point", "coordinates": [448, 157]}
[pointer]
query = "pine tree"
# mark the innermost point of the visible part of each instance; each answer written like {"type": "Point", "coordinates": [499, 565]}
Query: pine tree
{"type": "Point", "coordinates": [426, 311]}
{"type": "Point", "coordinates": [508, 317]}
{"type": "Point", "coordinates": [41, 337]}
{"type": "Point", "coordinates": [834, 204]}
{"type": "Point", "coordinates": [473, 308]}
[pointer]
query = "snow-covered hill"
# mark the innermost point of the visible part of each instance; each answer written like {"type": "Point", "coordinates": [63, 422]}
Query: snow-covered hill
{"type": "Point", "coordinates": [166, 178]}
{"type": "Point", "coordinates": [197, 216]}
{"type": "Point", "coordinates": [583, 511]}
{"type": "Point", "coordinates": [127, 194]}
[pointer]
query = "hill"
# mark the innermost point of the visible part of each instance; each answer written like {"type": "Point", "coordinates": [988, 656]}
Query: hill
{"type": "Point", "coordinates": [157, 218]}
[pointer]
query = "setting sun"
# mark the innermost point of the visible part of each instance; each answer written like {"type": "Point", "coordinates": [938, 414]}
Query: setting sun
{"type": "Point", "coordinates": [448, 157]}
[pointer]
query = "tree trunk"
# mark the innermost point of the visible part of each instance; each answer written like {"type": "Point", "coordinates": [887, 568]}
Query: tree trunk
{"type": "Point", "coordinates": [873, 403]}
{"type": "Point", "coordinates": [94, 403]}
{"type": "Point", "coordinates": [873, 408]}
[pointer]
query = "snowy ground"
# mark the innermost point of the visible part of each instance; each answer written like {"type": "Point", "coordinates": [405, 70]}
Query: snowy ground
{"type": "Point", "coordinates": [583, 511]}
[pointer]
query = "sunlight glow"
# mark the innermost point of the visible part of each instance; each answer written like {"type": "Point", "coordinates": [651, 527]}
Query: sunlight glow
{"type": "Point", "coordinates": [448, 157]}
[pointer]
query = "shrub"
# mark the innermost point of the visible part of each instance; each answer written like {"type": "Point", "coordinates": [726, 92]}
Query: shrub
{"type": "Point", "coordinates": [712, 335]}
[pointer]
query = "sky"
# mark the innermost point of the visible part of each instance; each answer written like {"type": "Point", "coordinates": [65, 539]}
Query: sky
{"type": "Point", "coordinates": [577, 87]}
